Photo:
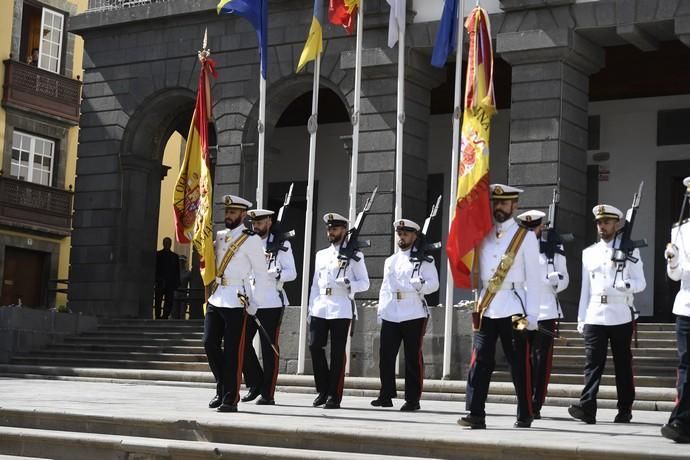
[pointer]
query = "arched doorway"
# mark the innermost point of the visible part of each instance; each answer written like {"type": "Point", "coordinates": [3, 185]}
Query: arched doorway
{"type": "Point", "coordinates": [142, 172]}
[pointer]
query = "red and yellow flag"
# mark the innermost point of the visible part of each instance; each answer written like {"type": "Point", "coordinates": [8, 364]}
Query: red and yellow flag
{"type": "Point", "coordinates": [343, 12]}
{"type": "Point", "coordinates": [193, 196]}
{"type": "Point", "coordinates": [472, 213]}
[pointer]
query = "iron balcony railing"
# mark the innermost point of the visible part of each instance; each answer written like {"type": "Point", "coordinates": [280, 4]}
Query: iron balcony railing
{"type": "Point", "coordinates": [35, 207]}
{"type": "Point", "coordinates": [105, 5]}
{"type": "Point", "coordinates": [37, 90]}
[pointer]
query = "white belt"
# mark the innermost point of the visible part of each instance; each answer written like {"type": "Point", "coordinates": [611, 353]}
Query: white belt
{"type": "Point", "coordinates": [230, 281]}
{"type": "Point", "coordinates": [507, 286]}
{"type": "Point", "coordinates": [606, 299]}
{"type": "Point", "coordinates": [333, 291]}
{"type": "Point", "coordinates": [398, 295]}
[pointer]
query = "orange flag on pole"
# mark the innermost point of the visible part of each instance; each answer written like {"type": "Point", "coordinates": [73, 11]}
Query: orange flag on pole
{"type": "Point", "coordinates": [472, 219]}
{"type": "Point", "coordinates": [193, 196]}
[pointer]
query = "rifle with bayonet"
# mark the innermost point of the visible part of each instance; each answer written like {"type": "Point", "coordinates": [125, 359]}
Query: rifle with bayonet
{"type": "Point", "coordinates": [350, 246]}
{"type": "Point", "coordinates": [419, 251]}
{"type": "Point", "coordinates": [278, 236]}
{"type": "Point", "coordinates": [351, 243]}
{"type": "Point", "coordinates": [550, 241]}
{"type": "Point", "coordinates": [626, 245]}
{"type": "Point", "coordinates": [626, 248]}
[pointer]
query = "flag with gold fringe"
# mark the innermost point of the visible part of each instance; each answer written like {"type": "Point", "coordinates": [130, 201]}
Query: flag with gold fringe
{"type": "Point", "coordinates": [313, 47]}
{"type": "Point", "coordinates": [193, 195]}
{"type": "Point", "coordinates": [473, 214]}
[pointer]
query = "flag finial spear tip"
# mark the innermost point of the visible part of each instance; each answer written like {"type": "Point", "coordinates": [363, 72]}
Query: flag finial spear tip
{"type": "Point", "coordinates": [204, 52]}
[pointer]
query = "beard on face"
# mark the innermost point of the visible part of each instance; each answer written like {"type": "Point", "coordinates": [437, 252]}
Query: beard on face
{"type": "Point", "coordinates": [262, 232]}
{"type": "Point", "coordinates": [403, 245]}
{"type": "Point", "coordinates": [335, 238]}
{"type": "Point", "coordinates": [232, 224]}
{"type": "Point", "coordinates": [500, 216]}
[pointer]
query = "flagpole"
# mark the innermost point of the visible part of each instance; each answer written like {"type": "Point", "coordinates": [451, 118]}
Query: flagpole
{"type": "Point", "coordinates": [306, 263]}
{"type": "Point", "coordinates": [399, 137]}
{"type": "Point", "coordinates": [452, 203]}
{"type": "Point", "coordinates": [355, 139]}
{"type": "Point", "coordinates": [261, 127]}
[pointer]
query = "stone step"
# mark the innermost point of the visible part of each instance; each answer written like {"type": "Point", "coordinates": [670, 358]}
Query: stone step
{"type": "Point", "coordinates": [163, 342]}
{"type": "Point", "coordinates": [637, 352]}
{"type": "Point", "coordinates": [123, 348]}
{"type": "Point", "coordinates": [143, 417]}
{"type": "Point", "coordinates": [68, 445]}
{"type": "Point", "coordinates": [641, 334]}
{"type": "Point", "coordinates": [67, 361]}
{"type": "Point", "coordinates": [639, 362]}
{"type": "Point", "coordinates": [578, 341]}
{"type": "Point", "coordinates": [356, 386]}
{"type": "Point", "coordinates": [150, 322]}
{"type": "Point", "coordinates": [607, 379]}
{"type": "Point", "coordinates": [143, 335]}
{"type": "Point", "coordinates": [51, 355]}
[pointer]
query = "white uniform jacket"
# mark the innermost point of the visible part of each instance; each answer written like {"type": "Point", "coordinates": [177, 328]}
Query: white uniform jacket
{"type": "Point", "coordinates": [398, 300]}
{"type": "Point", "coordinates": [600, 302]}
{"type": "Point", "coordinates": [548, 304]}
{"type": "Point", "coordinates": [328, 299]}
{"type": "Point", "coordinates": [248, 262]}
{"type": "Point", "coordinates": [273, 292]}
{"type": "Point", "coordinates": [521, 285]}
{"type": "Point", "coordinates": [681, 272]}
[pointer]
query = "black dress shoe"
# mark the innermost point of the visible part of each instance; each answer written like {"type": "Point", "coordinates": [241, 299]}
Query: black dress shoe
{"type": "Point", "coordinates": [319, 401]}
{"type": "Point", "coordinates": [332, 404]}
{"type": "Point", "coordinates": [227, 407]}
{"type": "Point", "coordinates": [676, 431]}
{"type": "Point", "coordinates": [536, 415]}
{"type": "Point", "coordinates": [579, 413]}
{"type": "Point", "coordinates": [215, 402]}
{"type": "Point", "coordinates": [522, 423]}
{"type": "Point", "coordinates": [623, 416]}
{"type": "Point", "coordinates": [251, 395]}
{"type": "Point", "coordinates": [382, 402]}
{"type": "Point", "coordinates": [410, 406]}
{"type": "Point", "coordinates": [476, 422]}
{"type": "Point", "coordinates": [266, 401]}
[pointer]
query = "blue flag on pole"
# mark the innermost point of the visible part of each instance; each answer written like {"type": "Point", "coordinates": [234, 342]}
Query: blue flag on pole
{"type": "Point", "coordinates": [256, 12]}
{"type": "Point", "coordinates": [447, 37]}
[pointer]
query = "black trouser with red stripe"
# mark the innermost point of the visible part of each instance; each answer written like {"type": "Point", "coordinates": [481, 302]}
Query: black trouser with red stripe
{"type": "Point", "coordinates": [411, 334]}
{"type": "Point", "coordinates": [542, 359]}
{"type": "Point", "coordinates": [329, 382]}
{"type": "Point", "coordinates": [516, 349]}
{"type": "Point", "coordinates": [681, 413]}
{"type": "Point", "coordinates": [255, 377]}
{"type": "Point", "coordinates": [596, 346]}
{"type": "Point", "coordinates": [226, 326]}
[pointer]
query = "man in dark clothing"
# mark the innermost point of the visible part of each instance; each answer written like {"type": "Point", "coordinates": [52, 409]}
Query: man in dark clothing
{"type": "Point", "coordinates": [167, 279]}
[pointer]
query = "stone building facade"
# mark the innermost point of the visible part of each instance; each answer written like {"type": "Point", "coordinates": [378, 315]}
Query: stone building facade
{"type": "Point", "coordinates": [140, 80]}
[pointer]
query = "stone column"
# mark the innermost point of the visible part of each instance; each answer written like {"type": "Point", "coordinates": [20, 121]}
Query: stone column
{"type": "Point", "coordinates": [548, 125]}
{"type": "Point", "coordinates": [376, 165]}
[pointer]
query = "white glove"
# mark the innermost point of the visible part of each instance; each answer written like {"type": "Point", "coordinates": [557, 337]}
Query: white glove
{"type": "Point", "coordinates": [343, 282]}
{"type": "Point", "coordinates": [532, 323]}
{"type": "Point", "coordinates": [274, 272]}
{"type": "Point", "coordinates": [554, 278]}
{"type": "Point", "coordinates": [671, 251]}
{"type": "Point", "coordinates": [252, 308]}
{"type": "Point", "coordinates": [580, 327]}
{"type": "Point", "coordinates": [417, 283]}
{"type": "Point", "coordinates": [622, 285]}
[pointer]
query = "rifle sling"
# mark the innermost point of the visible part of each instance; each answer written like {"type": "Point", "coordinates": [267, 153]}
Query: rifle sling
{"type": "Point", "coordinates": [501, 272]}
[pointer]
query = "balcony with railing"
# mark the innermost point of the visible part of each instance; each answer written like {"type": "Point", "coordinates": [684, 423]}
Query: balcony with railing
{"type": "Point", "coordinates": [32, 89]}
{"type": "Point", "coordinates": [105, 5]}
{"type": "Point", "coordinates": [38, 208]}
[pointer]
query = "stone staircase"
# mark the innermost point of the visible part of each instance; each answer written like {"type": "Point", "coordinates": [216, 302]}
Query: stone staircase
{"type": "Point", "coordinates": [165, 360]}
{"type": "Point", "coordinates": [171, 352]}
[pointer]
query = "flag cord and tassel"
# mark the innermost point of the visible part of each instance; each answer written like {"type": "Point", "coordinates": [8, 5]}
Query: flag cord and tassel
{"type": "Point", "coordinates": [452, 203]}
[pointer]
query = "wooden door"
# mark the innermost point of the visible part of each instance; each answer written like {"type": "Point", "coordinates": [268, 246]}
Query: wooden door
{"type": "Point", "coordinates": [25, 277]}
